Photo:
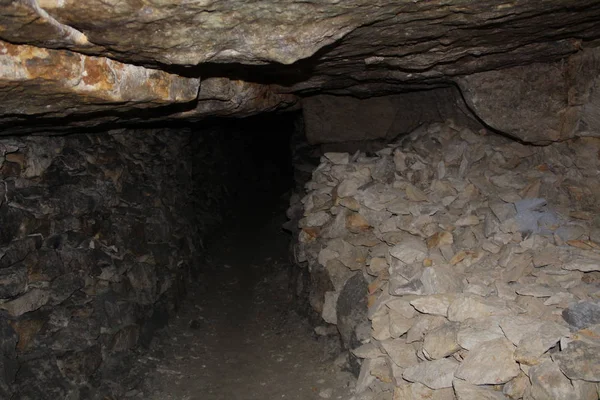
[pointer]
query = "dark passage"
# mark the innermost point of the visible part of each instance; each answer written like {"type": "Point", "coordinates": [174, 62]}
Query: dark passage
{"type": "Point", "coordinates": [151, 264]}
{"type": "Point", "coordinates": [241, 334]}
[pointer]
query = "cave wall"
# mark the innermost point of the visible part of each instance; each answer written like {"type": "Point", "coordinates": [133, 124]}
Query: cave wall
{"type": "Point", "coordinates": [100, 235]}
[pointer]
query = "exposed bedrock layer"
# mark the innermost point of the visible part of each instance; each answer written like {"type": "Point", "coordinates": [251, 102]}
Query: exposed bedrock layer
{"type": "Point", "coordinates": [103, 62]}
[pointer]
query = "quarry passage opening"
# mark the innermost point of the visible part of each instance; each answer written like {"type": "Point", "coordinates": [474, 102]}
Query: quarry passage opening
{"type": "Point", "coordinates": [104, 232]}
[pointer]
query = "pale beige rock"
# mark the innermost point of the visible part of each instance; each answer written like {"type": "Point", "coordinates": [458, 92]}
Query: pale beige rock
{"type": "Point", "coordinates": [516, 388]}
{"type": "Point", "coordinates": [473, 332]}
{"type": "Point", "coordinates": [580, 360]}
{"type": "Point", "coordinates": [471, 306]}
{"type": "Point", "coordinates": [368, 350]}
{"type": "Point", "coordinates": [410, 250]}
{"type": "Point", "coordinates": [489, 363]}
{"type": "Point", "coordinates": [535, 290]}
{"type": "Point", "coordinates": [366, 378]}
{"type": "Point", "coordinates": [377, 265]}
{"type": "Point", "coordinates": [531, 347]}
{"type": "Point", "coordinates": [467, 221]}
{"type": "Point", "coordinates": [441, 279]}
{"type": "Point", "coordinates": [418, 391]}
{"type": "Point", "coordinates": [516, 328]}
{"type": "Point", "coordinates": [381, 327]}
{"type": "Point", "coordinates": [441, 342]}
{"type": "Point", "coordinates": [423, 324]}
{"type": "Point", "coordinates": [329, 314]}
{"type": "Point", "coordinates": [436, 304]}
{"type": "Point", "coordinates": [467, 391]}
{"type": "Point", "coordinates": [402, 306]}
{"type": "Point", "coordinates": [436, 374]}
{"type": "Point", "coordinates": [400, 352]}
{"type": "Point", "coordinates": [584, 266]}
{"type": "Point", "coordinates": [399, 324]}
{"type": "Point", "coordinates": [338, 158]}
{"type": "Point", "coordinates": [338, 273]}
{"type": "Point", "coordinates": [316, 219]}
{"type": "Point", "coordinates": [548, 382]}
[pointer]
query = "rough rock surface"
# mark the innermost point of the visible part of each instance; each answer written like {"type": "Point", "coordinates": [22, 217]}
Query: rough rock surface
{"type": "Point", "coordinates": [100, 235]}
{"type": "Point", "coordinates": [263, 54]}
{"type": "Point", "coordinates": [480, 258]}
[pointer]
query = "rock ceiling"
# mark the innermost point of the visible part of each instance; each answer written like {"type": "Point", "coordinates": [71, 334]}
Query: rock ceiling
{"type": "Point", "coordinates": [101, 61]}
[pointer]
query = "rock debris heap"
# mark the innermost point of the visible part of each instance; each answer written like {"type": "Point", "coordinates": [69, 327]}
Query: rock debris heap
{"type": "Point", "coordinates": [460, 265]}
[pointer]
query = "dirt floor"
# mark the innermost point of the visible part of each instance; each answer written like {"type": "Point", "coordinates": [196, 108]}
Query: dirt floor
{"type": "Point", "coordinates": [239, 337]}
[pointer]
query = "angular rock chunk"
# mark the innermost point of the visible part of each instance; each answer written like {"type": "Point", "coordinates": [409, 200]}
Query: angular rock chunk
{"type": "Point", "coordinates": [400, 352]}
{"type": "Point", "coordinates": [467, 391]}
{"type": "Point", "coordinates": [472, 332]}
{"type": "Point", "coordinates": [582, 315]}
{"type": "Point", "coordinates": [489, 363]}
{"type": "Point", "coordinates": [532, 346]}
{"type": "Point", "coordinates": [548, 382]}
{"type": "Point", "coordinates": [434, 304]}
{"type": "Point", "coordinates": [580, 360]}
{"type": "Point", "coordinates": [410, 250]}
{"type": "Point", "coordinates": [441, 342]}
{"type": "Point", "coordinates": [436, 374]}
{"type": "Point", "coordinates": [472, 306]}
{"type": "Point", "coordinates": [417, 391]}
{"type": "Point", "coordinates": [352, 309]}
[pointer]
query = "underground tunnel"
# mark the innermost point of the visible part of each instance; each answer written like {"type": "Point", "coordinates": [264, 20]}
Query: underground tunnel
{"type": "Point", "coordinates": [300, 200]}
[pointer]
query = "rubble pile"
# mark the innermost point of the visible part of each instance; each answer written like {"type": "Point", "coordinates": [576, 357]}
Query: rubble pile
{"type": "Point", "coordinates": [460, 265]}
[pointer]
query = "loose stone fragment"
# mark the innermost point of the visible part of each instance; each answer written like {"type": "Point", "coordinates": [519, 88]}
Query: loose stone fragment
{"type": "Point", "coordinates": [516, 328]}
{"type": "Point", "coordinates": [471, 306]}
{"type": "Point", "coordinates": [403, 307]}
{"type": "Point", "coordinates": [535, 290]}
{"type": "Point", "coordinates": [399, 324]}
{"type": "Point", "coordinates": [423, 324]}
{"type": "Point", "coordinates": [531, 347]}
{"type": "Point", "coordinates": [338, 158]}
{"type": "Point", "coordinates": [418, 391]}
{"type": "Point", "coordinates": [365, 378]}
{"type": "Point", "coordinates": [441, 342]}
{"type": "Point", "coordinates": [356, 223]}
{"type": "Point", "coordinates": [437, 374]}
{"type": "Point", "coordinates": [582, 315]}
{"type": "Point", "coordinates": [329, 307]}
{"type": "Point", "coordinates": [580, 360]}
{"type": "Point", "coordinates": [467, 221]}
{"type": "Point", "coordinates": [27, 302]}
{"type": "Point", "coordinates": [434, 304]}
{"type": "Point", "coordinates": [440, 279]}
{"type": "Point", "coordinates": [439, 239]}
{"type": "Point", "coordinates": [400, 352]}
{"type": "Point", "coordinates": [472, 332]}
{"type": "Point", "coordinates": [515, 389]}
{"type": "Point", "coordinates": [410, 250]}
{"type": "Point", "coordinates": [489, 363]}
{"type": "Point", "coordinates": [467, 391]}
{"type": "Point", "coordinates": [381, 327]}
{"type": "Point", "coordinates": [548, 382]}
{"type": "Point", "coordinates": [414, 194]}
{"type": "Point", "coordinates": [368, 350]}
{"type": "Point", "coordinates": [584, 266]}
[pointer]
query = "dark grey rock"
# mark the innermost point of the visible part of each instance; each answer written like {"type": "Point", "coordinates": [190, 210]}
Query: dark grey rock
{"type": "Point", "coordinates": [352, 315]}
{"type": "Point", "coordinates": [582, 315]}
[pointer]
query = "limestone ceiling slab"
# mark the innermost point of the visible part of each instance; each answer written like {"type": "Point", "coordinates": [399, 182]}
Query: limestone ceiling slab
{"type": "Point", "coordinates": [261, 53]}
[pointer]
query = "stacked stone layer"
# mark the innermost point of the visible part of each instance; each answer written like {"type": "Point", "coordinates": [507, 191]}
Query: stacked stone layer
{"type": "Point", "coordinates": [100, 235]}
{"type": "Point", "coordinates": [460, 265]}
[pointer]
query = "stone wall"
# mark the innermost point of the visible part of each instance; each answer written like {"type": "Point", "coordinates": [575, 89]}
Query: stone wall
{"type": "Point", "coordinates": [459, 264]}
{"type": "Point", "coordinates": [100, 234]}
